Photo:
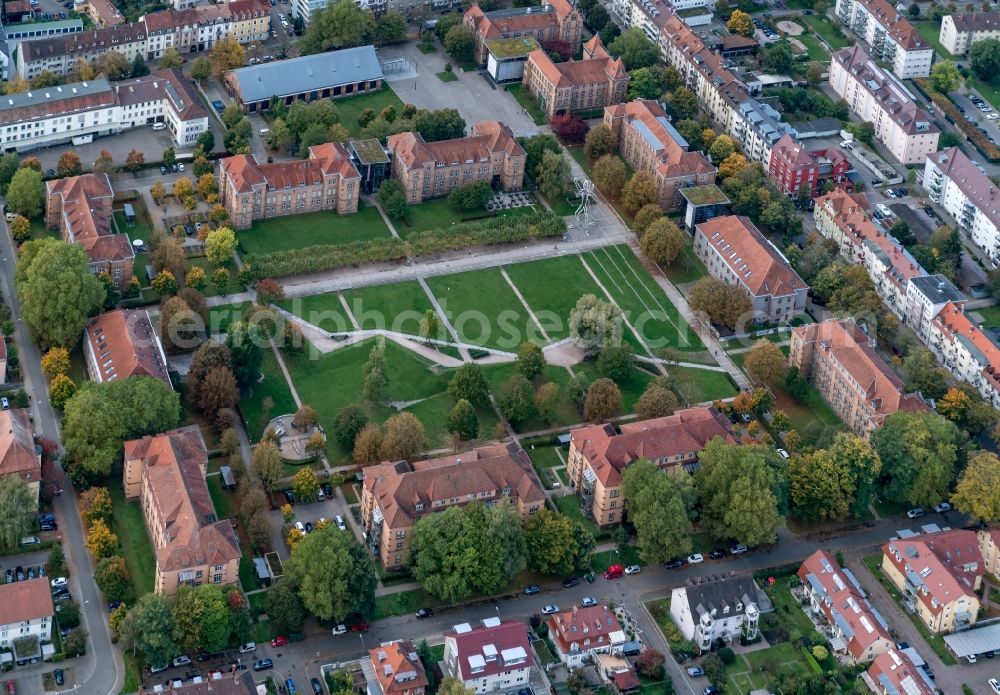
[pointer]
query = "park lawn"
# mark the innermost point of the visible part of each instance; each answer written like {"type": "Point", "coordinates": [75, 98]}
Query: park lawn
{"type": "Point", "coordinates": [701, 385]}
{"type": "Point", "coordinates": [273, 386]}
{"type": "Point", "coordinates": [566, 412]}
{"type": "Point", "coordinates": [233, 285]}
{"type": "Point", "coordinates": [642, 301]}
{"type": "Point", "coordinates": [827, 30]}
{"type": "Point", "coordinates": [991, 316]}
{"type": "Point", "coordinates": [312, 229]}
{"type": "Point", "coordinates": [433, 414]}
{"type": "Point", "coordinates": [350, 108]}
{"type": "Point", "coordinates": [397, 307]}
{"type": "Point", "coordinates": [570, 506]}
{"type": "Point", "coordinates": [473, 303]}
{"type": "Point", "coordinates": [403, 603]}
{"type": "Point", "coordinates": [522, 97]}
{"type": "Point", "coordinates": [219, 317]}
{"type": "Point", "coordinates": [817, 52]}
{"type": "Point", "coordinates": [801, 414]}
{"type": "Point", "coordinates": [552, 287]}
{"type": "Point", "coordinates": [438, 214]}
{"type": "Point", "coordinates": [128, 523]}
{"type": "Point", "coordinates": [222, 500]}
{"type": "Point", "coordinates": [322, 310]}
{"type": "Point", "coordinates": [628, 556]}
{"type": "Point", "coordinates": [632, 388]}
{"type": "Point", "coordinates": [686, 268]}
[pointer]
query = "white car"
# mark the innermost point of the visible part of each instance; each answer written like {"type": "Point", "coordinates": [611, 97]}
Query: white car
{"type": "Point", "coordinates": [738, 549]}
{"type": "Point", "coordinates": [633, 569]}
{"type": "Point", "coordinates": [883, 210]}
{"type": "Point", "coordinates": [183, 660]}
{"type": "Point", "coordinates": [782, 453]}
{"type": "Point", "coordinates": [339, 630]}
{"type": "Point", "coordinates": [588, 601]}
{"type": "Point", "coordinates": [550, 609]}
{"type": "Point", "coordinates": [971, 658]}
{"type": "Point", "coordinates": [696, 559]}
{"type": "Point", "coordinates": [248, 647]}
{"type": "Point", "coordinates": [339, 520]}
{"type": "Point", "coordinates": [301, 527]}
{"type": "Point", "coordinates": [942, 508]}
{"type": "Point", "coordinates": [995, 684]}
{"type": "Point", "coordinates": [59, 583]}
{"type": "Point", "coordinates": [915, 513]}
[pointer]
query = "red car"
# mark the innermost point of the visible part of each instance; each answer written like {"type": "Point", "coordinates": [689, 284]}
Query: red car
{"type": "Point", "coordinates": [360, 626]}
{"type": "Point", "coordinates": [279, 641]}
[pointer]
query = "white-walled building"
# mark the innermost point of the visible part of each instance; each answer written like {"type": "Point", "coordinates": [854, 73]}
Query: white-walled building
{"type": "Point", "coordinates": [926, 297]}
{"type": "Point", "coordinates": [954, 182]}
{"type": "Point", "coordinates": [581, 632]}
{"type": "Point", "coordinates": [962, 348]}
{"type": "Point", "coordinates": [717, 610]}
{"type": "Point", "coordinates": [889, 35]}
{"type": "Point", "coordinates": [758, 128]}
{"type": "Point", "coordinates": [880, 99]}
{"type": "Point", "coordinates": [959, 31]}
{"type": "Point", "coordinates": [493, 657]}
{"type": "Point", "coordinates": [25, 611]}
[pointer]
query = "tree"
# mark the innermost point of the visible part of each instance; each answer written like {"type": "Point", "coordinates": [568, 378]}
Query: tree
{"type": "Point", "coordinates": [656, 401]}
{"type": "Point", "coordinates": [463, 420]}
{"type": "Point", "coordinates": [368, 445]}
{"type": "Point", "coordinates": [723, 303]}
{"type": "Point", "coordinates": [390, 28]}
{"type": "Point", "coordinates": [201, 69]}
{"type": "Point", "coordinates": [16, 503]}
{"type": "Point", "coordinates": [546, 400]}
{"type": "Point", "coordinates": [57, 292]}
{"type": "Point", "coordinates": [469, 384]}
{"type": "Point", "coordinates": [196, 279]}
{"type": "Point", "coordinates": [82, 71]}
{"type": "Point", "coordinates": [165, 283]}
{"type": "Point", "coordinates": [267, 464]}
{"type": "Point", "coordinates": [220, 244]}
{"type": "Point", "coordinates": [472, 196]}
{"type": "Point", "coordinates": [984, 58]}
{"type": "Point", "coordinates": [595, 323]}
{"type": "Point", "coordinates": [609, 175]}
{"type": "Point", "coordinates": [599, 142]}
{"type": "Point", "coordinates": [765, 362]}
{"type": "Point", "coordinates": [171, 59]}
{"type": "Point", "coordinates": [551, 543]}
{"type": "Point", "coordinates": [245, 352]}
{"type": "Point", "coordinates": [657, 510]}
{"type": "Point", "coordinates": [335, 575]}
{"type": "Point", "coordinates": [682, 102]}
{"type": "Point", "coordinates": [604, 401]}
{"type": "Point", "coordinates": [459, 43]}
{"type": "Point", "coordinates": [61, 389]}
{"type": "Point", "coordinates": [569, 128]}
{"type": "Point", "coordinates": [269, 291]}
{"type": "Point", "coordinates": [638, 192]}
{"type": "Point", "coordinates": [183, 187]}
{"type": "Point", "coordinates": [305, 418]}
{"type": "Point", "coordinates": [635, 49]}
{"type": "Point", "coordinates": [20, 229]}
{"type": "Point", "coordinates": [207, 184]}
{"type": "Point", "coordinates": [442, 124]}
{"type": "Point", "coordinates": [113, 65]}
{"type": "Point", "coordinates": [139, 67]}
{"type": "Point", "coordinates": [9, 164]}
{"type": "Point", "coordinates": [96, 504]}
{"type": "Point", "coordinates": [966, 408]}
{"type": "Point", "coordinates": [466, 550]}
{"type": "Point", "coordinates": [663, 241]}
{"type": "Point", "coordinates": [978, 490]}
{"type": "Point", "coordinates": [404, 437]}
{"type": "Point", "coordinates": [535, 148]}
{"type": "Point", "coordinates": [645, 217]}
{"type": "Point", "coordinates": [56, 361]}
{"type": "Point", "coordinates": [218, 394]}
{"type": "Point", "coordinates": [919, 452]}
{"type": "Point", "coordinates": [104, 164]}
{"type": "Point", "coordinates": [339, 25]}
{"type": "Point", "coordinates": [554, 178]}
{"type": "Point", "coordinates": [26, 193]}
{"type": "Point", "coordinates": [740, 23]}
{"type": "Point", "coordinates": [733, 165]}
{"type": "Point", "coordinates": [227, 54]}
{"type": "Point", "coordinates": [284, 607]}
{"type": "Point", "coordinates": [374, 378]}
{"type": "Point", "coordinates": [616, 362]}
{"type": "Point", "coordinates": [147, 628]}
{"type": "Point", "coordinates": [187, 615]}
{"type": "Point", "coordinates": [305, 484]}
{"type": "Point", "coordinates": [158, 191]}
{"type": "Point", "coordinates": [349, 422]}
{"type": "Point", "coordinates": [650, 664]}
{"type": "Point", "coordinates": [901, 231]}
{"type": "Point", "coordinates": [778, 58]}
{"type": "Point", "coordinates": [530, 359]}
{"type": "Point", "coordinates": [112, 578]}
{"type": "Point", "coordinates": [722, 148]}
{"type": "Point", "coordinates": [945, 76]}
{"type": "Point", "coordinates": [101, 541]}
{"type": "Point", "coordinates": [819, 487]}
{"type": "Point", "coordinates": [814, 74]}
{"type": "Point", "coordinates": [862, 463]}
{"type": "Point", "coordinates": [515, 399]}
{"type": "Point", "coordinates": [392, 198]}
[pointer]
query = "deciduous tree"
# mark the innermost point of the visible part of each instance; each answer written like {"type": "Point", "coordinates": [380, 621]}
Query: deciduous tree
{"type": "Point", "coordinates": [147, 628]}
{"type": "Point", "coordinates": [978, 490]}
{"type": "Point", "coordinates": [656, 401]}
{"type": "Point", "coordinates": [351, 419]}
{"type": "Point", "coordinates": [61, 389]}
{"type": "Point", "coordinates": [663, 241]}
{"type": "Point", "coordinates": [645, 217]}
{"type": "Point", "coordinates": [554, 179]}
{"type": "Point", "coordinates": [16, 502]}
{"type": "Point", "coordinates": [404, 437]}
{"type": "Point", "coordinates": [984, 58]}
{"type": "Point", "coordinates": [919, 452]}
{"type": "Point", "coordinates": [552, 544]}
{"type": "Point", "coordinates": [470, 384]}
{"type": "Point", "coordinates": [26, 193]}
{"type": "Point", "coordinates": [635, 49]}
{"type": "Point", "coordinates": [227, 54]}
{"type": "Point", "coordinates": [530, 359]}
{"type": "Point", "coordinates": [392, 198]}
{"type": "Point", "coordinates": [595, 323]}
{"type": "Point", "coordinates": [765, 362]}
{"type": "Point", "coordinates": [112, 578]}
{"type": "Point", "coordinates": [374, 377]}
{"type": "Point", "coordinates": [723, 303]}
{"type": "Point", "coordinates": [284, 607]}
{"type": "Point", "coordinates": [740, 23]}
{"type": "Point", "coordinates": [334, 574]}
{"type": "Point", "coordinates": [56, 361]}
{"type": "Point", "coordinates": [101, 541]}
{"type": "Point", "coordinates": [267, 464]}
{"type": "Point", "coordinates": [657, 510]}
{"type": "Point", "coordinates": [515, 399]}
{"type": "Point", "coordinates": [463, 420]}
{"type": "Point", "coordinates": [609, 175]}
{"type": "Point", "coordinates": [638, 192]}
{"type": "Point", "coordinates": [220, 244]}
{"type": "Point", "coordinates": [368, 445]}
{"type": "Point", "coordinates": [96, 504]}
{"type": "Point", "coordinates": [459, 42]}
{"type": "Point", "coordinates": [599, 142]}
{"type": "Point", "coordinates": [604, 401]}
{"type": "Point", "coordinates": [305, 485]}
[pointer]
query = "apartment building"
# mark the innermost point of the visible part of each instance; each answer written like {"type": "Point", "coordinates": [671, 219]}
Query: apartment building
{"type": "Point", "coordinates": [19, 455]}
{"type": "Point", "coordinates": [938, 575]}
{"type": "Point", "coordinates": [962, 348]}
{"type": "Point", "coordinates": [493, 657]}
{"type": "Point", "coordinates": [434, 169]}
{"type": "Point", "coordinates": [989, 546]}
{"type": "Point", "coordinates": [843, 217]}
{"type": "Point", "coordinates": [595, 82]}
{"type": "Point", "coordinates": [756, 126]}
{"type": "Point", "coordinates": [880, 99]}
{"type": "Point", "coordinates": [554, 20]}
{"type": "Point", "coordinates": [890, 37]}
{"type": "Point", "coordinates": [648, 141]}
{"type": "Point", "coordinates": [893, 672]}
{"type": "Point", "coordinates": [580, 633]}
{"type": "Point", "coordinates": [835, 595]}
{"type": "Point", "coordinates": [840, 360]}
{"type": "Point", "coordinates": [80, 208]}
{"type": "Point", "coordinates": [394, 668]}
{"type": "Point", "coordinates": [25, 611]}
{"type": "Point", "coordinates": [396, 494]}
{"type": "Point", "coordinates": [59, 54]}
{"type": "Point", "coordinates": [326, 180]}
{"type": "Point", "coordinates": [165, 96]}
{"type": "Point", "coordinates": [123, 343]}
{"type": "Point", "coordinates": [191, 29]}
{"type": "Point", "coordinates": [734, 251]}
{"type": "Point", "coordinates": [957, 184]}
{"type": "Point", "coordinates": [598, 454]}
{"type": "Point", "coordinates": [166, 474]}
{"type": "Point", "coordinates": [926, 297]}
{"type": "Point", "coordinates": [722, 609]}
{"type": "Point", "coordinates": [795, 170]}
{"type": "Point", "coordinates": [962, 29]}
{"type": "Point", "coordinates": [102, 12]}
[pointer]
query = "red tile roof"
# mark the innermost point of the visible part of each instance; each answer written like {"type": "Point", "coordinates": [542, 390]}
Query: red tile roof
{"type": "Point", "coordinates": [904, 33]}
{"type": "Point", "coordinates": [246, 173]}
{"type": "Point", "coordinates": [83, 42]}
{"type": "Point", "coordinates": [87, 220]}
{"type": "Point", "coordinates": [578, 72]}
{"type": "Point", "coordinates": [897, 671]}
{"type": "Point", "coordinates": [125, 344]}
{"type": "Point", "coordinates": [484, 642]}
{"type": "Point", "coordinates": [398, 667]}
{"type": "Point", "coordinates": [672, 160]}
{"type": "Point", "coordinates": [486, 139]}
{"type": "Point", "coordinates": [948, 563]}
{"type": "Point", "coordinates": [27, 600]}
{"type": "Point", "coordinates": [587, 628]}
{"type": "Point", "coordinates": [17, 446]}
{"type": "Point", "coordinates": [955, 325]}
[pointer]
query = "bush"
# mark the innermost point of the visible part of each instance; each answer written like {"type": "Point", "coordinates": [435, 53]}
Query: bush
{"type": "Point", "coordinates": [727, 655]}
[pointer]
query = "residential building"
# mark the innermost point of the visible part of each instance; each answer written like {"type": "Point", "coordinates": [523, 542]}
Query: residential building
{"type": "Point", "coordinates": [843, 217]}
{"type": "Point", "coordinates": [648, 141]}
{"type": "Point", "coordinates": [102, 12]}
{"type": "Point", "coordinates": [493, 657]}
{"type": "Point", "coordinates": [165, 96]}
{"type": "Point", "coordinates": [14, 33]}
{"type": "Point", "coordinates": [396, 494]}
{"type": "Point", "coordinates": [893, 673]}
{"type": "Point", "coordinates": [25, 611]}
{"type": "Point", "coordinates": [593, 83]}
{"type": "Point", "coordinates": [734, 251]}
{"type": "Point", "coordinates": [957, 184]}
{"type": "Point", "coordinates": [19, 455]}
{"type": "Point", "coordinates": [192, 29]}
{"type": "Point", "coordinates": [840, 360]}
{"type": "Point", "coordinates": [989, 546]}
{"type": "Point", "coordinates": [166, 472]}
{"type": "Point", "coordinates": [216, 683]}
{"type": "Point", "coordinates": [758, 127]}
{"type": "Point", "coordinates": [306, 8]}
{"type": "Point", "coordinates": [80, 208]}
{"type": "Point", "coordinates": [598, 454]}
{"type": "Point", "coordinates": [394, 668]}
{"type": "Point", "coordinates": [962, 29]}
{"type": "Point", "coordinates": [554, 20]}
{"type": "Point", "coordinates": [582, 632]}
{"type": "Point", "coordinates": [123, 343]}
{"type": "Point", "coordinates": [795, 170]}
{"type": "Point", "coordinates": [890, 37]}
{"type": "Point", "coordinates": [877, 97]}
{"type": "Point", "coordinates": [964, 349]}
{"type": "Point", "coordinates": [433, 169]}
{"type": "Point", "coordinates": [60, 54]}
{"type": "Point", "coordinates": [926, 297]}
{"type": "Point", "coordinates": [717, 610]}
{"type": "Point", "coordinates": [836, 596]}
{"type": "Point", "coordinates": [938, 575]}
{"type": "Point", "coordinates": [326, 180]}
{"type": "Point", "coordinates": [330, 75]}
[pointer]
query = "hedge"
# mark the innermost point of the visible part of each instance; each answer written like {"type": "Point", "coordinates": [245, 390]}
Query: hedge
{"type": "Point", "coordinates": [970, 130]}
{"type": "Point", "coordinates": [811, 660]}
{"type": "Point", "coordinates": [488, 232]}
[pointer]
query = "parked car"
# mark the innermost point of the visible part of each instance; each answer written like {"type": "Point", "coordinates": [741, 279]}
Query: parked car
{"type": "Point", "coordinates": [49, 526]}
{"type": "Point", "coordinates": [550, 609]}
{"type": "Point", "coordinates": [289, 497]}
{"type": "Point", "coordinates": [995, 684]}
{"type": "Point", "coordinates": [915, 513]}
{"type": "Point", "coordinates": [528, 590]}
{"type": "Point", "coordinates": [58, 676]}
{"type": "Point", "coordinates": [738, 549]}
{"type": "Point", "coordinates": [218, 106]}
{"type": "Point", "coordinates": [262, 664]}
{"type": "Point", "coordinates": [614, 572]}
{"type": "Point", "coordinates": [571, 582]}
{"type": "Point", "coordinates": [633, 569]}
{"type": "Point", "coordinates": [316, 686]}
{"type": "Point", "coordinates": [29, 540]}
{"type": "Point", "coordinates": [248, 647]}
{"type": "Point", "coordinates": [710, 690]}
{"type": "Point", "coordinates": [163, 169]}
{"type": "Point", "coordinates": [279, 641]}
{"type": "Point", "coordinates": [290, 686]}
{"type": "Point", "coordinates": [159, 669]}
{"type": "Point", "coordinates": [301, 527]}
{"type": "Point", "coordinates": [182, 660]}
{"type": "Point", "coordinates": [588, 601]}
{"type": "Point", "coordinates": [424, 613]}
{"type": "Point", "coordinates": [675, 563]}
{"type": "Point", "coordinates": [338, 630]}
{"type": "Point", "coordinates": [782, 453]}
{"type": "Point", "coordinates": [696, 559]}
{"type": "Point", "coordinates": [10, 576]}
{"type": "Point", "coordinates": [327, 490]}
{"type": "Point", "coordinates": [717, 554]}
{"type": "Point", "coordinates": [309, 527]}
{"type": "Point", "coordinates": [942, 508]}
{"type": "Point", "coordinates": [339, 520]}
{"type": "Point", "coordinates": [695, 671]}
{"type": "Point", "coordinates": [359, 626]}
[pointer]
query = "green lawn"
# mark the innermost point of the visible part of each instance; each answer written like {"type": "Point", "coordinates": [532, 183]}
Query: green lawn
{"type": "Point", "coordinates": [686, 268]}
{"type": "Point", "coordinates": [403, 603]}
{"type": "Point", "coordinates": [552, 287]}
{"type": "Point", "coordinates": [817, 52]}
{"type": "Point", "coordinates": [601, 561]}
{"type": "Point", "coordinates": [40, 231]}
{"type": "Point", "coordinates": [128, 523]}
{"type": "Point", "coordinates": [140, 230]}
{"type": "Point", "coordinates": [700, 385]}
{"type": "Point", "coordinates": [483, 308]}
{"type": "Point", "coordinates": [222, 500]}
{"type": "Point", "coordinates": [570, 506]}
{"type": "Point", "coordinates": [248, 579]}
{"type": "Point", "coordinates": [632, 388]}
{"type": "Point", "coordinates": [232, 286]}
{"type": "Point", "coordinates": [312, 229]}
{"type": "Point", "coordinates": [930, 31]}
{"type": "Point", "coordinates": [133, 673]}
{"type": "Point", "coordinates": [991, 316]}
{"type": "Point", "coordinates": [812, 409]}
{"type": "Point", "coordinates": [273, 386]}
{"type": "Point", "coordinates": [546, 457]}
{"type": "Point", "coordinates": [219, 317]}
{"type": "Point", "coordinates": [577, 153]}
{"type": "Point", "coordinates": [322, 310]}
{"type": "Point", "coordinates": [826, 28]}
{"type": "Point", "coordinates": [351, 107]}
{"type": "Point", "coordinates": [530, 105]}
{"type": "Point", "coordinates": [990, 91]}
{"type": "Point", "coordinates": [749, 671]}
{"type": "Point", "coordinates": [398, 307]}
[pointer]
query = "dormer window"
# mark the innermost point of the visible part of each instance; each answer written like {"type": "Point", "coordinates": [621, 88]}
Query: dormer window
{"type": "Point", "coordinates": [419, 507]}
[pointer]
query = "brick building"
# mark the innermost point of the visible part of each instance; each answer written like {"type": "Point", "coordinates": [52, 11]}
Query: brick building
{"type": "Point", "coordinates": [19, 455]}
{"type": "Point", "coordinates": [595, 82]}
{"type": "Point", "coordinates": [433, 169]}
{"type": "Point", "coordinates": [795, 169]}
{"type": "Point", "coordinates": [123, 343]}
{"type": "Point", "coordinates": [554, 20]}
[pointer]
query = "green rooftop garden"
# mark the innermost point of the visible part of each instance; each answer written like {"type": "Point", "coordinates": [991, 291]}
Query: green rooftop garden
{"type": "Point", "coordinates": [705, 195]}
{"type": "Point", "coordinates": [512, 48]}
{"type": "Point", "coordinates": [370, 151]}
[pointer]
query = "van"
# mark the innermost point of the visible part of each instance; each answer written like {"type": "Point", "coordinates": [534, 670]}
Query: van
{"type": "Point", "coordinates": [614, 572]}
{"type": "Point", "coordinates": [159, 126]}
{"type": "Point", "coordinates": [10, 216]}
{"type": "Point", "coordinates": [263, 132]}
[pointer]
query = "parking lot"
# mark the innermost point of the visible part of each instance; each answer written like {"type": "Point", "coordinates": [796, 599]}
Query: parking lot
{"type": "Point", "coordinates": [984, 117]}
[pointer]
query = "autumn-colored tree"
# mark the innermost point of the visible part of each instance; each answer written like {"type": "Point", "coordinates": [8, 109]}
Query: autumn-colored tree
{"type": "Point", "coordinates": [96, 505]}
{"type": "Point", "coordinates": [61, 389]}
{"type": "Point", "coordinates": [158, 191]}
{"type": "Point", "coordinates": [305, 417]}
{"type": "Point", "coordinates": [20, 229]}
{"type": "Point", "coordinates": [404, 437]}
{"type": "Point", "coordinates": [196, 278]}
{"type": "Point", "coordinates": [316, 444]}
{"type": "Point", "coordinates": [722, 148]}
{"type": "Point", "coordinates": [164, 283]}
{"type": "Point", "coordinates": [104, 164]}
{"type": "Point", "coordinates": [101, 541]}
{"type": "Point", "coordinates": [765, 362]}
{"type": "Point", "coordinates": [269, 291]}
{"type": "Point", "coordinates": [663, 241]}
{"type": "Point", "coordinates": [978, 490]}
{"type": "Point", "coordinates": [646, 216]}
{"type": "Point", "coordinates": [183, 188]}
{"type": "Point", "coordinates": [135, 160]}
{"type": "Point", "coordinates": [733, 165]}
{"type": "Point", "coordinates": [217, 214]}
{"type": "Point", "coordinates": [599, 142]}
{"type": "Point", "coordinates": [16, 85]}
{"type": "Point", "coordinates": [305, 485]}
{"type": "Point", "coordinates": [220, 245]}
{"type": "Point", "coordinates": [227, 54]}
{"type": "Point", "coordinates": [609, 175]}
{"type": "Point", "coordinates": [220, 279]}
{"type": "Point", "coordinates": [740, 23]}
{"type": "Point", "coordinates": [723, 303]}
{"type": "Point", "coordinates": [604, 401]}
{"type": "Point", "coordinates": [69, 164]}
{"type": "Point", "coordinates": [207, 184]}
{"type": "Point", "coordinates": [56, 361]}
{"type": "Point", "coordinates": [639, 192]}
{"type": "Point", "coordinates": [368, 445]}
